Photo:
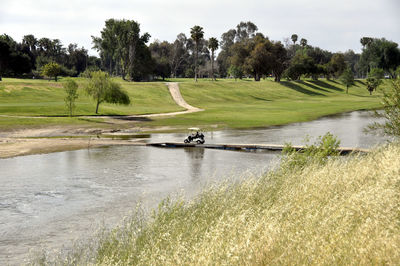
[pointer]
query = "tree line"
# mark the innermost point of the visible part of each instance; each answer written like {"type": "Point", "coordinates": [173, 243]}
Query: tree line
{"type": "Point", "coordinates": [27, 58]}
{"type": "Point", "coordinates": [243, 52]}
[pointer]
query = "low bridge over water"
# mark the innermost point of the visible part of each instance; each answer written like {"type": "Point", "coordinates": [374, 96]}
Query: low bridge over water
{"type": "Point", "coordinates": [245, 147]}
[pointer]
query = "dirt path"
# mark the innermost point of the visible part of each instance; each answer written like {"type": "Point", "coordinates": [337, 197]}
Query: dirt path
{"type": "Point", "coordinates": [177, 96]}
{"type": "Point", "coordinates": [16, 143]}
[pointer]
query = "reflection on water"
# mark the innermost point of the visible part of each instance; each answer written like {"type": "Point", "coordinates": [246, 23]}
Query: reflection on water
{"type": "Point", "coordinates": [48, 200]}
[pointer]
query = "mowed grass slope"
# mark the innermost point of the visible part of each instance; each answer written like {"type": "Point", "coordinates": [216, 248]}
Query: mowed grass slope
{"type": "Point", "coordinates": [46, 98]}
{"type": "Point", "coordinates": [227, 103]}
{"type": "Point", "coordinates": [246, 103]}
{"type": "Point", "coordinates": [343, 213]}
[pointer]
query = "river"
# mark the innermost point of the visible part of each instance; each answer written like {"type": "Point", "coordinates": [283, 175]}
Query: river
{"type": "Point", "coordinates": [50, 200]}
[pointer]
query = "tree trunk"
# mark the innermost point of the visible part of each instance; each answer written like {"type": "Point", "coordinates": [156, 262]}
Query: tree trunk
{"type": "Point", "coordinates": [195, 63]}
{"type": "Point", "coordinates": [256, 77]}
{"type": "Point", "coordinates": [212, 65]}
{"type": "Point", "coordinates": [347, 89]}
{"type": "Point", "coordinates": [55, 78]}
{"type": "Point", "coordinates": [97, 106]}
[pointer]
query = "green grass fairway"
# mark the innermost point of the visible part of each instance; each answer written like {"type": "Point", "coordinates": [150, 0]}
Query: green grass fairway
{"type": "Point", "coordinates": [245, 103]}
{"type": "Point", "coordinates": [227, 103]}
{"type": "Point", "coordinates": [44, 98]}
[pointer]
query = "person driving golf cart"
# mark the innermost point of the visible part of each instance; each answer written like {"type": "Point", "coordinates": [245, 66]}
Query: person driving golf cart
{"type": "Point", "coordinates": [195, 135]}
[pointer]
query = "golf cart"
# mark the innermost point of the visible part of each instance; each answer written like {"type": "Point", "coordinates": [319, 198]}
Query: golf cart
{"type": "Point", "coordinates": [195, 135]}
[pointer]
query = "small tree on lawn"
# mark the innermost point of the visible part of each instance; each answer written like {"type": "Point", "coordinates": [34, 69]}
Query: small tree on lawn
{"type": "Point", "coordinates": [235, 72]}
{"type": "Point", "coordinates": [102, 89]}
{"type": "Point", "coordinates": [71, 88]}
{"type": "Point", "coordinates": [374, 79]}
{"type": "Point", "coordinates": [347, 79]}
{"type": "Point", "coordinates": [51, 70]}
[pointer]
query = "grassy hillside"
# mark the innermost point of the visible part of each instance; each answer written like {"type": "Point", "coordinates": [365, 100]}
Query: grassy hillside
{"type": "Point", "coordinates": [345, 212]}
{"type": "Point", "coordinates": [230, 103]}
{"type": "Point", "coordinates": [22, 97]}
{"type": "Point", "coordinates": [44, 98]}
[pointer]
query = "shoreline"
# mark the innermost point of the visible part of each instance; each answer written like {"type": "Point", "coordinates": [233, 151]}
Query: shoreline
{"type": "Point", "coordinates": [60, 139]}
{"type": "Point", "coordinates": [13, 147]}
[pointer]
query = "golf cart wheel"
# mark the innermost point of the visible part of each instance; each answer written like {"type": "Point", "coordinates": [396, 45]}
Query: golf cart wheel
{"type": "Point", "coordinates": [186, 141]}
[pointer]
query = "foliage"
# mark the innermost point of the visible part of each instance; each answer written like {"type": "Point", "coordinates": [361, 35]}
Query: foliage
{"type": "Point", "coordinates": [102, 89]}
{"type": "Point", "coordinates": [51, 69]}
{"type": "Point", "coordinates": [13, 60]}
{"type": "Point", "coordinates": [294, 38]}
{"type": "Point", "coordinates": [259, 57]}
{"type": "Point", "coordinates": [235, 72]}
{"type": "Point", "coordinates": [71, 88]}
{"type": "Point", "coordinates": [390, 112]}
{"type": "Point", "coordinates": [326, 146]}
{"type": "Point", "coordinates": [379, 53]}
{"type": "Point", "coordinates": [347, 79]}
{"type": "Point", "coordinates": [197, 35]}
{"type": "Point", "coordinates": [303, 42]}
{"type": "Point", "coordinates": [245, 31]}
{"type": "Point", "coordinates": [336, 65]}
{"type": "Point", "coordinates": [213, 46]}
{"type": "Point", "coordinates": [124, 50]}
{"type": "Point", "coordinates": [374, 79]}
{"type": "Point", "coordinates": [351, 58]}
{"type": "Point", "coordinates": [161, 54]}
{"type": "Point", "coordinates": [301, 65]}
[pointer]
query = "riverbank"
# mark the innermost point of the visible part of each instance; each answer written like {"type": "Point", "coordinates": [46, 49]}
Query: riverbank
{"type": "Point", "coordinates": [343, 212]}
{"type": "Point", "coordinates": [26, 105]}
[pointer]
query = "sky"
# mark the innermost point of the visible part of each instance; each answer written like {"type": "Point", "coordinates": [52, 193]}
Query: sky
{"type": "Point", "coordinates": [334, 25]}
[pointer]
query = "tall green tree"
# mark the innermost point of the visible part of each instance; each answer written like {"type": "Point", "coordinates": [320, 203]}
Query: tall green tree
{"type": "Point", "coordinates": [71, 88]}
{"type": "Point", "coordinates": [213, 46]}
{"type": "Point", "coordinates": [380, 53]}
{"type": "Point", "coordinates": [180, 56]}
{"type": "Point", "coordinates": [245, 31]}
{"type": "Point", "coordinates": [301, 64]}
{"type": "Point", "coordinates": [336, 65]}
{"type": "Point", "coordinates": [51, 69]}
{"type": "Point", "coordinates": [197, 35]}
{"type": "Point", "coordinates": [347, 78]}
{"type": "Point", "coordinates": [102, 89]}
{"type": "Point", "coordinates": [123, 47]}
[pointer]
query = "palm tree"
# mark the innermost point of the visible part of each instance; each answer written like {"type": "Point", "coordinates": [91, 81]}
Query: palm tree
{"type": "Point", "coordinates": [303, 42]}
{"type": "Point", "coordinates": [30, 41]}
{"type": "Point", "coordinates": [212, 45]}
{"type": "Point", "coordinates": [294, 38]}
{"type": "Point", "coordinates": [197, 34]}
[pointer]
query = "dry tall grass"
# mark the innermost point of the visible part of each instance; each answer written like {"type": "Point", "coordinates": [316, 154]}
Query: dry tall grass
{"type": "Point", "coordinates": [345, 212]}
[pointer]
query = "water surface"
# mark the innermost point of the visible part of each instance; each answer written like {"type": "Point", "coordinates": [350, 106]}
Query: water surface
{"type": "Point", "coordinates": [48, 200]}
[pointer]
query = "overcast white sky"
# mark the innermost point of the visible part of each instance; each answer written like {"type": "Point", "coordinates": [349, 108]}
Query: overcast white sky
{"type": "Point", "coordinates": [335, 25]}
